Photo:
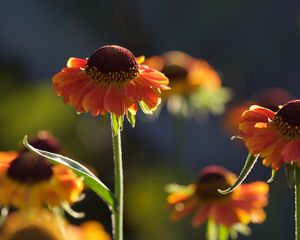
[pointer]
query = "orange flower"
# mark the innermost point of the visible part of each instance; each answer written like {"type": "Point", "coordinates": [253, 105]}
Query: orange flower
{"type": "Point", "coordinates": [273, 135]}
{"type": "Point", "coordinates": [33, 223]}
{"type": "Point", "coordinates": [21, 185]}
{"type": "Point", "coordinates": [270, 98]}
{"type": "Point", "coordinates": [112, 80]}
{"type": "Point", "coordinates": [42, 224]}
{"type": "Point", "coordinates": [241, 206]}
{"type": "Point", "coordinates": [90, 230]}
{"type": "Point", "coordinates": [195, 85]}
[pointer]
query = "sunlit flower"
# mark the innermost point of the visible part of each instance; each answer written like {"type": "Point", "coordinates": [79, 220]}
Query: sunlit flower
{"type": "Point", "coordinates": [242, 206]}
{"type": "Point", "coordinates": [111, 80]}
{"type": "Point", "coordinates": [195, 85]}
{"type": "Point", "coordinates": [89, 230]}
{"type": "Point", "coordinates": [27, 179]}
{"type": "Point", "coordinates": [33, 224]}
{"type": "Point", "coordinates": [42, 224]}
{"type": "Point", "coordinates": [270, 98]}
{"type": "Point", "coordinates": [273, 135]}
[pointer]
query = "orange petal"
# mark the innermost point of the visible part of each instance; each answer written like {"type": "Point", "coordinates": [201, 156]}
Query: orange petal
{"type": "Point", "coordinates": [132, 90]}
{"type": "Point", "coordinates": [76, 62]}
{"type": "Point", "coordinates": [93, 101]}
{"type": "Point", "coordinates": [155, 79]}
{"type": "Point", "coordinates": [201, 215]}
{"type": "Point", "coordinates": [291, 151]}
{"type": "Point", "coordinates": [78, 95]}
{"type": "Point", "coordinates": [225, 214]}
{"type": "Point", "coordinates": [114, 101]}
{"type": "Point", "coordinates": [257, 114]}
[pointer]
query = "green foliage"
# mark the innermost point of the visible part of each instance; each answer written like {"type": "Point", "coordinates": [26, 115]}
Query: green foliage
{"type": "Point", "coordinates": [89, 178]}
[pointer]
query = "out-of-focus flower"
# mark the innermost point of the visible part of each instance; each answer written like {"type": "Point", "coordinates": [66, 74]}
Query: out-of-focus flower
{"type": "Point", "coordinates": [89, 230]}
{"type": "Point", "coordinates": [196, 87]}
{"type": "Point", "coordinates": [270, 98]}
{"type": "Point", "coordinates": [242, 206]}
{"type": "Point", "coordinates": [273, 135]}
{"type": "Point", "coordinates": [42, 224]}
{"type": "Point", "coordinates": [112, 80]}
{"type": "Point", "coordinates": [27, 179]}
{"type": "Point", "coordinates": [30, 180]}
{"type": "Point", "coordinates": [33, 224]}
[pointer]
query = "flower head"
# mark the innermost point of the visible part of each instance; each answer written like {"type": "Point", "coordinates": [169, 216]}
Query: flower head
{"type": "Point", "coordinates": [30, 180]}
{"type": "Point", "coordinates": [273, 135]}
{"type": "Point", "coordinates": [195, 85]}
{"type": "Point", "coordinates": [111, 80]}
{"type": "Point", "coordinates": [270, 98]}
{"type": "Point", "coordinates": [21, 185]}
{"type": "Point", "coordinates": [42, 224]}
{"type": "Point", "coordinates": [241, 206]}
{"type": "Point", "coordinates": [33, 224]}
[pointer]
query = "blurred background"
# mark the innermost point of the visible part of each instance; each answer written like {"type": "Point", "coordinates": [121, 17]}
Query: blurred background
{"type": "Point", "coordinates": [254, 46]}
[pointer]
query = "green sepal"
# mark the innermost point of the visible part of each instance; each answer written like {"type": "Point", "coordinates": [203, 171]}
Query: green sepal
{"type": "Point", "coordinates": [89, 178]}
{"type": "Point", "coordinates": [290, 172]}
{"type": "Point", "coordinates": [131, 119]}
{"type": "Point", "coordinates": [249, 163]}
{"type": "Point", "coordinates": [273, 175]}
{"type": "Point", "coordinates": [115, 123]}
{"type": "Point", "coordinates": [145, 108]}
{"type": "Point", "coordinates": [120, 122]}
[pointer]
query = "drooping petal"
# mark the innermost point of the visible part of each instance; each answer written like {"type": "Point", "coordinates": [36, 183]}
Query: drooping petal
{"type": "Point", "coordinates": [77, 96]}
{"type": "Point", "coordinates": [291, 152]}
{"type": "Point", "coordinates": [114, 101]}
{"type": "Point", "coordinates": [155, 79]}
{"type": "Point", "coordinates": [201, 215]}
{"type": "Point", "coordinates": [224, 214]}
{"type": "Point", "coordinates": [93, 101]}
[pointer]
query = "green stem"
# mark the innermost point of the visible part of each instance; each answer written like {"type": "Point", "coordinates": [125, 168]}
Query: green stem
{"type": "Point", "coordinates": [297, 203]}
{"type": "Point", "coordinates": [117, 216]}
{"type": "Point", "coordinates": [211, 230]}
{"type": "Point", "coordinates": [223, 232]}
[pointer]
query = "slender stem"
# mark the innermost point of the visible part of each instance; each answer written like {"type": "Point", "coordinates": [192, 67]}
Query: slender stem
{"type": "Point", "coordinates": [117, 217]}
{"type": "Point", "coordinates": [223, 232]}
{"type": "Point", "coordinates": [211, 230]}
{"type": "Point", "coordinates": [297, 203]}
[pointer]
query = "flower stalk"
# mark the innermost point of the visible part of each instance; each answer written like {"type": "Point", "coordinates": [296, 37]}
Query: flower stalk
{"type": "Point", "coordinates": [117, 213]}
{"type": "Point", "coordinates": [211, 230]}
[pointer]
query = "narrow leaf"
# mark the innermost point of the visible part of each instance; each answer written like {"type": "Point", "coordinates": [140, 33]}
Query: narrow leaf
{"type": "Point", "coordinates": [89, 178]}
{"type": "Point", "coordinates": [250, 161]}
{"type": "Point", "coordinates": [273, 175]}
{"type": "Point", "coordinates": [290, 172]}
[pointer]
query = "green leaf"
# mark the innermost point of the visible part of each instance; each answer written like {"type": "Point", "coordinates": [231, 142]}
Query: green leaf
{"type": "Point", "coordinates": [250, 161]}
{"type": "Point", "coordinates": [290, 172]}
{"type": "Point", "coordinates": [273, 175]}
{"type": "Point", "coordinates": [89, 178]}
